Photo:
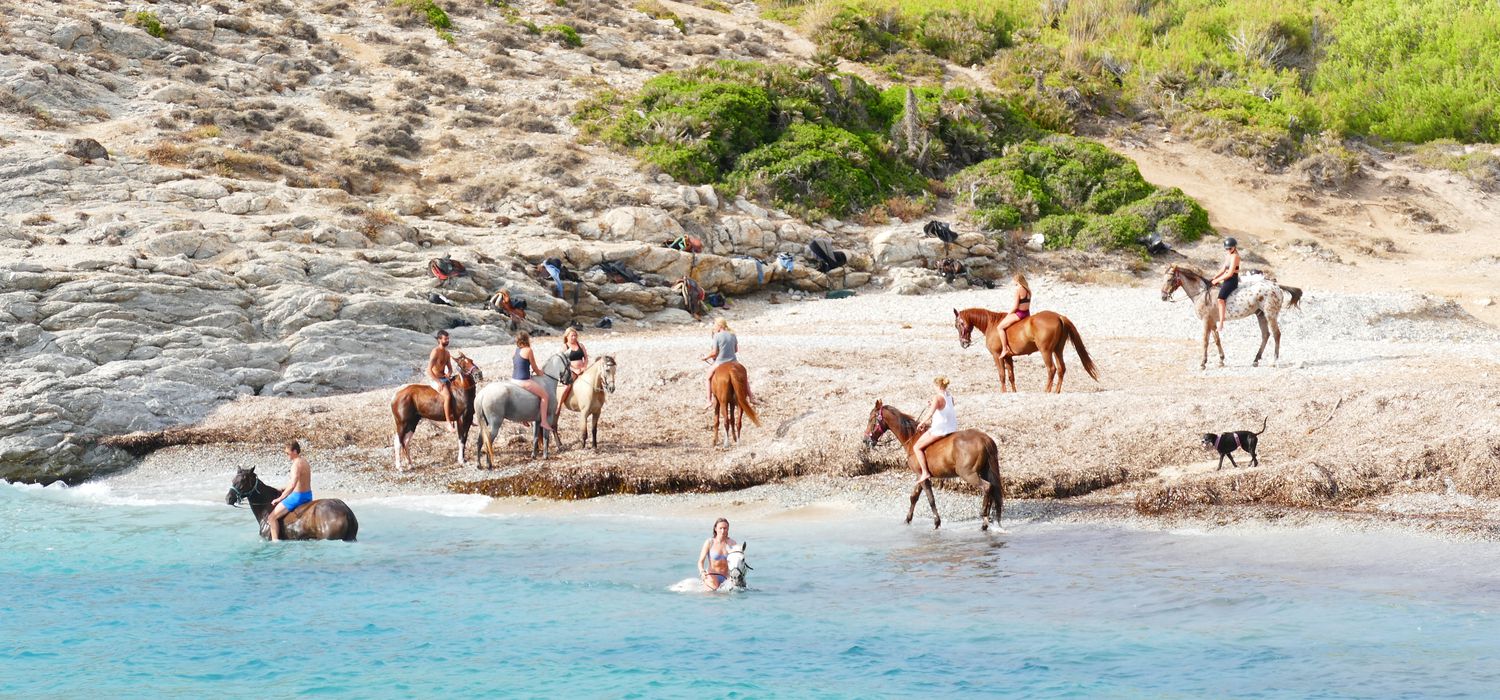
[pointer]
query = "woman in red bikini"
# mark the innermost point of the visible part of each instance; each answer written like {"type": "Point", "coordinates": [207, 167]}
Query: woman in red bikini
{"type": "Point", "coordinates": [1021, 309]}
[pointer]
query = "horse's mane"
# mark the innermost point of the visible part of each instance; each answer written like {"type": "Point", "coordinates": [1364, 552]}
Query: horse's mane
{"type": "Point", "coordinates": [1189, 269]}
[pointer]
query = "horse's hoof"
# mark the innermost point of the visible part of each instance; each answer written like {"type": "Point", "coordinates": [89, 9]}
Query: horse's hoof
{"type": "Point", "coordinates": [937, 524]}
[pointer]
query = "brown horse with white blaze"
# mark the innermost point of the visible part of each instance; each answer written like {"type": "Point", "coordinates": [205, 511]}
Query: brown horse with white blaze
{"type": "Point", "coordinates": [1047, 332]}
{"type": "Point", "coordinates": [970, 455]}
{"type": "Point", "coordinates": [730, 384]}
{"type": "Point", "coordinates": [414, 402]}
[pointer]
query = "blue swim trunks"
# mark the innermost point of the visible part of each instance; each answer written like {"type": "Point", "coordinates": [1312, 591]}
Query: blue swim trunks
{"type": "Point", "coordinates": [298, 498]}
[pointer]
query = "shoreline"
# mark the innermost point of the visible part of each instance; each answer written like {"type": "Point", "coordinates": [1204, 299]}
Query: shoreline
{"type": "Point", "coordinates": [823, 498]}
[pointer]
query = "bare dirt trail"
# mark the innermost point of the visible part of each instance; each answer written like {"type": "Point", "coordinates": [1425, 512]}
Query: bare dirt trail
{"type": "Point", "coordinates": [1402, 228]}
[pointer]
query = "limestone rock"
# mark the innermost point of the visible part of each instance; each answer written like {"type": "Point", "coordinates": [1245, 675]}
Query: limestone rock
{"type": "Point", "coordinates": [86, 150]}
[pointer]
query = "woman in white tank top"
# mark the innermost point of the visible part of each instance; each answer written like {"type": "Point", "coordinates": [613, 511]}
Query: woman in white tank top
{"type": "Point", "coordinates": [944, 422]}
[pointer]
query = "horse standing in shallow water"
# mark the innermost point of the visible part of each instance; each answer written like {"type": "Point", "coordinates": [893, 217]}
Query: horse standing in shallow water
{"type": "Point", "coordinates": [969, 454]}
{"type": "Point", "coordinates": [323, 519]}
{"type": "Point", "coordinates": [730, 384]}
{"type": "Point", "coordinates": [1257, 294]}
{"type": "Point", "coordinates": [414, 402]}
{"type": "Point", "coordinates": [1046, 332]}
{"type": "Point", "coordinates": [588, 394]}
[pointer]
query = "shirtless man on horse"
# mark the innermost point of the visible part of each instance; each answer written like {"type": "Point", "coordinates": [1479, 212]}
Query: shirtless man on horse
{"type": "Point", "coordinates": [440, 377]}
{"type": "Point", "coordinates": [295, 495]}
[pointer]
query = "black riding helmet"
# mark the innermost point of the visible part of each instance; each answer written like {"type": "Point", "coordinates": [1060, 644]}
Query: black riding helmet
{"type": "Point", "coordinates": [1230, 243]}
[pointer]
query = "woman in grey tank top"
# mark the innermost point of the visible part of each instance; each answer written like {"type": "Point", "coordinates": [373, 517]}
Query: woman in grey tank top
{"type": "Point", "coordinates": [726, 349]}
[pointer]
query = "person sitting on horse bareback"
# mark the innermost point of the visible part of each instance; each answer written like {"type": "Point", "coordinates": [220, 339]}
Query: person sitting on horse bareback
{"type": "Point", "coordinates": [726, 346]}
{"type": "Point", "coordinates": [715, 554]}
{"type": "Point", "coordinates": [1019, 310]}
{"type": "Point", "coordinates": [578, 360]}
{"type": "Point", "coordinates": [1228, 278]}
{"type": "Point", "coordinates": [944, 422]}
{"type": "Point", "coordinates": [523, 366]}
{"type": "Point", "coordinates": [295, 495]}
{"type": "Point", "coordinates": [440, 377]}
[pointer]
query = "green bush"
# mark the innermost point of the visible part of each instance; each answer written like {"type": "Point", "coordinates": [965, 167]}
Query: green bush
{"type": "Point", "coordinates": [563, 34]}
{"type": "Point", "coordinates": [1077, 194]}
{"type": "Point", "coordinates": [149, 23]}
{"type": "Point", "coordinates": [821, 170]}
{"type": "Point", "coordinates": [436, 17]}
{"type": "Point", "coordinates": [693, 130]}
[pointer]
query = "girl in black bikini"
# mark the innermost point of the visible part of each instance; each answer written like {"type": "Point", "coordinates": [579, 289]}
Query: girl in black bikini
{"type": "Point", "coordinates": [1021, 309]}
{"type": "Point", "coordinates": [1228, 277]}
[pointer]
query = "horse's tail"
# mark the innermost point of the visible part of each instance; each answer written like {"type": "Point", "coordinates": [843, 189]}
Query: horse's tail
{"type": "Point", "coordinates": [1083, 353]}
{"type": "Point", "coordinates": [992, 459]}
{"type": "Point", "coordinates": [741, 385]}
{"type": "Point", "coordinates": [1296, 295]}
{"type": "Point", "coordinates": [351, 529]}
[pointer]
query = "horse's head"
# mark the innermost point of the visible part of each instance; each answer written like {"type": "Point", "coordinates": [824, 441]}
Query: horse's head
{"type": "Point", "coordinates": [965, 329]}
{"type": "Point", "coordinates": [875, 428]}
{"type": "Point", "coordinates": [609, 373]}
{"type": "Point", "coordinates": [737, 567]}
{"type": "Point", "coordinates": [244, 486]}
{"type": "Point", "coordinates": [468, 369]}
{"type": "Point", "coordinates": [1172, 283]}
{"type": "Point", "coordinates": [559, 369]}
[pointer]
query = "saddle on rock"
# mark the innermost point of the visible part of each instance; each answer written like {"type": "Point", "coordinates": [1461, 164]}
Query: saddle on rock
{"type": "Point", "coordinates": [446, 268]}
{"type": "Point", "coordinates": [827, 259]}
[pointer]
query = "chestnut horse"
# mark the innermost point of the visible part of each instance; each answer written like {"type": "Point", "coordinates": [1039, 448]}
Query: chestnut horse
{"type": "Point", "coordinates": [731, 388]}
{"type": "Point", "coordinates": [1047, 332]}
{"type": "Point", "coordinates": [970, 455]}
{"type": "Point", "coordinates": [323, 519]}
{"type": "Point", "coordinates": [417, 401]}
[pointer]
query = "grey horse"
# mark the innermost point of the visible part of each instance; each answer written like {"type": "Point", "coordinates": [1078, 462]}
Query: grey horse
{"type": "Point", "coordinates": [501, 401]}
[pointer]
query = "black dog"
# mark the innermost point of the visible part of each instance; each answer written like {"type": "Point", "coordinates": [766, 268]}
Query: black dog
{"type": "Point", "coordinates": [1226, 443]}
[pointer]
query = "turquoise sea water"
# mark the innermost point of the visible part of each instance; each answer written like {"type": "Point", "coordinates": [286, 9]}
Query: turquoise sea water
{"type": "Point", "coordinates": [116, 597]}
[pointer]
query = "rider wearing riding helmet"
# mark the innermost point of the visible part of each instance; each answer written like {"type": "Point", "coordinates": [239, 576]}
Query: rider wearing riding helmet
{"type": "Point", "coordinates": [1228, 277]}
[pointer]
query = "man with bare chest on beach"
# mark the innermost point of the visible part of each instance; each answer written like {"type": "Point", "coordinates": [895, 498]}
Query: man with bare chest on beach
{"type": "Point", "coordinates": [295, 495]}
{"type": "Point", "coordinates": [440, 377]}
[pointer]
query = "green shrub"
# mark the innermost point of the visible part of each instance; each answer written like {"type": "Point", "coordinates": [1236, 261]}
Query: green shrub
{"type": "Point", "coordinates": [1112, 232]}
{"type": "Point", "coordinates": [817, 170]}
{"type": "Point", "coordinates": [962, 37]}
{"type": "Point", "coordinates": [436, 17]}
{"type": "Point", "coordinates": [1077, 194]}
{"type": "Point", "coordinates": [1172, 214]}
{"type": "Point", "coordinates": [1059, 230]}
{"type": "Point", "coordinates": [563, 34]}
{"type": "Point", "coordinates": [148, 22]}
{"type": "Point", "coordinates": [853, 34]}
{"type": "Point", "coordinates": [693, 130]}
{"type": "Point", "coordinates": [656, 10]}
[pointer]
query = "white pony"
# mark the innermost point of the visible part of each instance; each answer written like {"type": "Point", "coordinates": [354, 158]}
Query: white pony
{"type": "Point", "coordinates": [737, 571]}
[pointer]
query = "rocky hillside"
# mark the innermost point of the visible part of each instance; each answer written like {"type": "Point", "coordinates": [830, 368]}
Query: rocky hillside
{"type": "Point", "coordinates": [210, 200]}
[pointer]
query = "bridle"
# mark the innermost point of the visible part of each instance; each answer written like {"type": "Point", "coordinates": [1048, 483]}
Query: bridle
{"type": "Point", "coordinates": [243, 496]}
{"type": "Point", "coordinates": [567, 375]}
{"type": "Point", "coordinates": [965, 331]}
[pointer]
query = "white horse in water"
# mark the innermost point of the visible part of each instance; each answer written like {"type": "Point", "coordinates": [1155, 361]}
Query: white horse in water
{"type": "Point", "coordinates": [737, 571]}
{"type": "Point", "coordinates": [1258, 294]}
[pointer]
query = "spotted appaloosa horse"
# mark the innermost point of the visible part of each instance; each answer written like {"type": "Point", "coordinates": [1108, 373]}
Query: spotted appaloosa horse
{"type": "Point", "coordinates": [1258, 294]}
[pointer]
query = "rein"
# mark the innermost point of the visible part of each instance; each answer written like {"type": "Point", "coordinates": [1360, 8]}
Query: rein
{"type": "Point", "coordinates": [242, 496]}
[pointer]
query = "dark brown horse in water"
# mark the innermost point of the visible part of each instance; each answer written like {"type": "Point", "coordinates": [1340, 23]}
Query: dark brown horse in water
{"type": "Point", "coordinates": [417, 401]}
{"type": "Point", "coordinates": [970, 455]}
{"type": "Point", "coordinates": [1047, 332]}
{"type": "Point", "coordinates": [731, 389]}
{"type": "Point", "coordinates": [323, 519]}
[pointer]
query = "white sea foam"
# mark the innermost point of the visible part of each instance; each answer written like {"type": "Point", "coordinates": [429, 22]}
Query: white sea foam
{"type": "Point", "coordinates": [96, 492]}
{"type": "Point", "coordinates": [449, 505]}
